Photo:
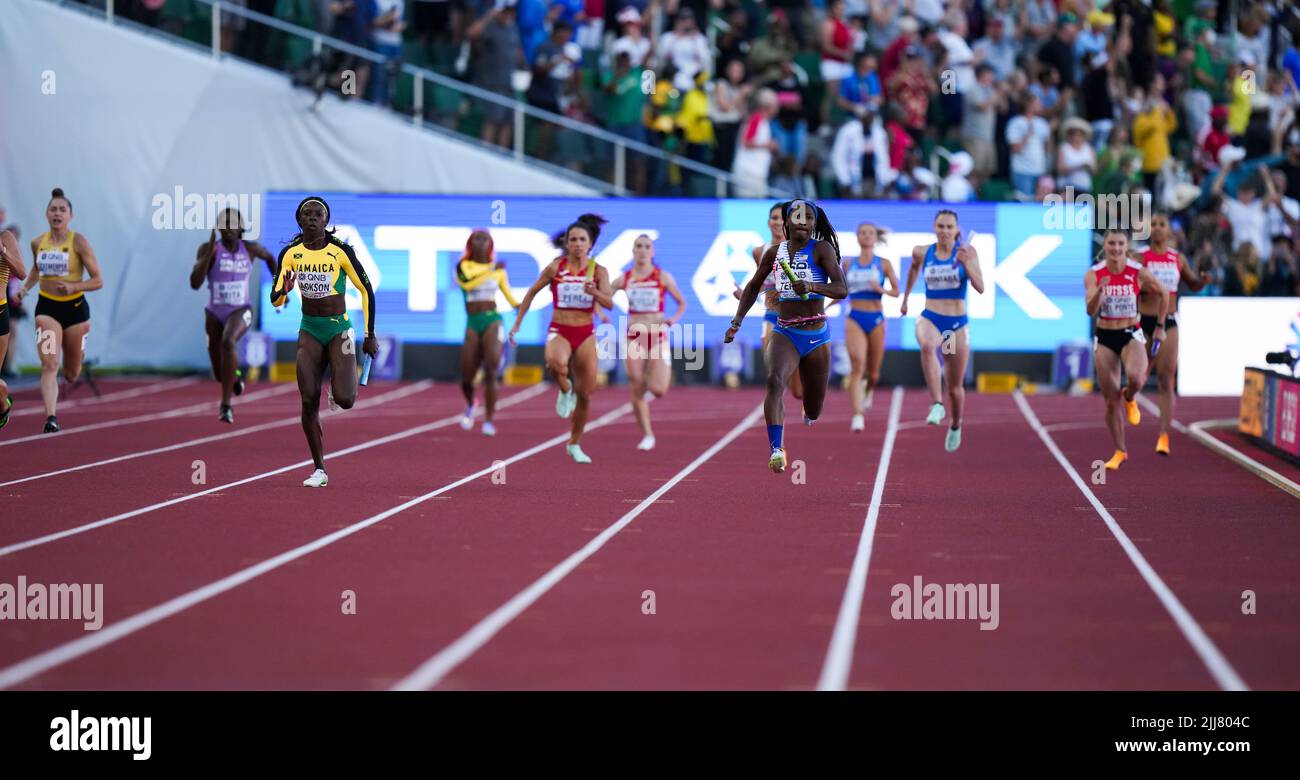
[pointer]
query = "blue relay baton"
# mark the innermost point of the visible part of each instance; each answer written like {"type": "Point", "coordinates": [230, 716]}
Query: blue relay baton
{"type": "Point", "coordinates": [365, 371]}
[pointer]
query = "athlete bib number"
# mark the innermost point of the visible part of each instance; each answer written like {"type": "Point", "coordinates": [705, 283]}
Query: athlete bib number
{"type": "Point", "coordinates": [1167, 274]}
{"type": "Point", "coordinates": [942, 277]}
{"type": "Point", "coordinates": [315, 284]}
{"type": "Point", "coordinates": [52, 263]}
{"type": "Point", "coordinates": [572, 296]}
{"type": "Point", "coordinates": [1119, 307]}
{"type": "Point", "coordinates": [230, 293]}
{"type": "Point", "coordinates": [487, 291]}
{"type": "Point", "coordinates": [643, 299]}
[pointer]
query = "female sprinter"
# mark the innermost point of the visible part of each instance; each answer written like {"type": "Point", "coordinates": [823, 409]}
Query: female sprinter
{"type": "Point", "coordinates": [776, 227]}
{"type": "Point", "coordinates": [943, 322]}
{"type": "Point", "coordinates": [1113, 287]}
{"type": "Point", "coordinates": [479, 276]}
{"type": "Point", "coordinates": [11, 262]}
{"type": "Point", "coordinates": [318, 263]}
{"type": "Point", "coordinates": [647, 360]}
{"type": "Point", "coordinates": [1169, 267]}
{"type": "Point", "coordinates": [801, 340]}
{"type": "Point", "coordinates": [62, 257]}
{"type": "Point", "coordinates": [226, 265]}
{"type": "Point", "coordinates": [577, 283]}
{"type": "Point", "coordinates": [864, 333]}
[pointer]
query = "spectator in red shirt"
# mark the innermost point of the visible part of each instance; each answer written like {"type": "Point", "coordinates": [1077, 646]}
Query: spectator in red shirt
{"type": "Point", "coordinates": [910, 87]}
{"type": "Point", "coordinates": [1214, 137]}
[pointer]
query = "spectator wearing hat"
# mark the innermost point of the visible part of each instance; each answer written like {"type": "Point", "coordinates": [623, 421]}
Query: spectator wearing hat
{"type": "Point", "coordinates": [956, 186]}
{"type": "Point", "coordinates": [996, 48]}
{"type": "Point", "coordinates": [1151, 130]}
{"type": "Point", "coordinates": [1076, 160]}
{"type": "Point", "coordinates": [1093, 37]}
{"type": "Point", "coordinates": [633, 40]}
{"type": "Point", "coordinates": [1029, 137]}
{"type": "Point", "coordinates": [979, 120]}
{"type": "Point", "coordinates": [687, 48]}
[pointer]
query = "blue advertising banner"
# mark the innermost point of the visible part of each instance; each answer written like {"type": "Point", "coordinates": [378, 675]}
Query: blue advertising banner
{"type": "Point", "coordinates": [409, 244]}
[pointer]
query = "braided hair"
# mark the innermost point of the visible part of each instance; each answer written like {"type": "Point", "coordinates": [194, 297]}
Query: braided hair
{"type": "Point", "coordinates": [822, 228]}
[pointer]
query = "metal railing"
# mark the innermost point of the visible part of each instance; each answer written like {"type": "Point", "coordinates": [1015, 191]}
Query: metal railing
{"type": "Point", "coordinates": [615, 149]}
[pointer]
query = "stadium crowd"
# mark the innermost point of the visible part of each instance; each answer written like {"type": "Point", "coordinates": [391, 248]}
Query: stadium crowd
{"type": "Point", "coordinates": [1190, 103]}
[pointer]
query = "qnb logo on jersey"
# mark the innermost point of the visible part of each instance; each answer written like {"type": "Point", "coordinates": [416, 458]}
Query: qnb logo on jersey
{"type": "Point", "coordinates": [131, 735]}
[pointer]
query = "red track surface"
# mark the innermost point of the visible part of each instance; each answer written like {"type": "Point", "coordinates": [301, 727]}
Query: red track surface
{"type": "Point", "coordinates": [748, 568]}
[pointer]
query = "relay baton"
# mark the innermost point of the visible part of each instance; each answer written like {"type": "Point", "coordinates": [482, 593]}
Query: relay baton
{"type": "Point", "coordinates": [365, 370]}
{"type": "Point", "coordinates": [785, 266]}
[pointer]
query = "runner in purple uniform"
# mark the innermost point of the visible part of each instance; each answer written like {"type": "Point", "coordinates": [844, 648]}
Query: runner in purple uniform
{"type": "Point", "coordinates": [226, 265]}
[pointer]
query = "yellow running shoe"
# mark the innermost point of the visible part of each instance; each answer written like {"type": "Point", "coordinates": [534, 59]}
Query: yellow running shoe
{"type": "Point", "coordinates": [777, 462]}
{"type": "Point", "coordinates": [1162, 444]}
{"type": "Point", "coordinates": [1134, 413]}
{"type": "Point", "coordinates": [1115, 460]}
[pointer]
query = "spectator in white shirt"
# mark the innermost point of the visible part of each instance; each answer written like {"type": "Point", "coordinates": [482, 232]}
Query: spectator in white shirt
{"type": "Point", "coordinates": [687, 49]}
{"type": "Point", "coordinates": [632, 41]}
{"type": "Point", "coordinates": [1246, 212]}
{"type": "Point", "coordinates": [856, 141]}
{"type": "Point", "coordinates": [1029, 136]}
{"type": "Point", "coordinates": [956, 187]}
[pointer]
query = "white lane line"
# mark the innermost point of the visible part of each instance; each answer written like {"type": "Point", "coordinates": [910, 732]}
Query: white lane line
{"type": "Point", "coordinates": [141, 418]}
{"type": "Point", "coordinates": [431, 672]}
{"type": "Point", "coordinates": [839, 656]}
{"type": "Point", "coordinates": [409, 432]}
{"type": "Point", "coordinates": [1073, 426]}
{"type": "Point", "coordinates": [61, 654]}
{"type": "Point", "coordinates": [1197, 431]}
{"type": "Point", "coordinates": [392, 395]}
{"type": "Point", "coordinates": [1214, 661]}
{"type": "Point", "coordinates": [34, 406]}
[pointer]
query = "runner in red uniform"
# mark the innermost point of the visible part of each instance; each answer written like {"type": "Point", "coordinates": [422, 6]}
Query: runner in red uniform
{"type": "Point", "coordinates": [1113, 287]}
{"type": "Point", "coordinates": [648, 360]}
{"type": "Point", "coordinates": [1170, 267]}
{"type": "Point", "coordinates": [577, 284]}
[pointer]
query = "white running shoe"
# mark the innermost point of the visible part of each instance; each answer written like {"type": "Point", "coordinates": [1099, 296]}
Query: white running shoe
{"type": "Point", "coordinates": [467, 419]}
{"type": "Point", "coordinates": [318, 478]}
{"type": "Point", "coordinates": [870, 392]}
{"type": "Point", "coordinates": [489, 429]}
{"type": "Point", "coordinates": [953, 440]}
{"type": "Point", "coordinates": [935, 416]}
{"type": "Point", "coordinates": [565, 403]}
{"type": "Point", "coordinates": [859, 422]}
{"type": "Point", "coordinates": [648, 443]}
{"type": "Point", "coordinates": [576, 453]}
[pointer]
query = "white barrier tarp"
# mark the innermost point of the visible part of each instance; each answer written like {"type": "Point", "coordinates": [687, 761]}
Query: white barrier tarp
{"type": "Point", "coordinates": [116, 117]}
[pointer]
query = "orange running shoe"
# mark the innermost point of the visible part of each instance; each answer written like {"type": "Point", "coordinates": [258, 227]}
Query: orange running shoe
{"type": "Point", "coordinates": [1115, 460]}
{"type": "Point", "coordinates": [1134, 413]}
{"type": "Point", "coordinates": [1162, 444]}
